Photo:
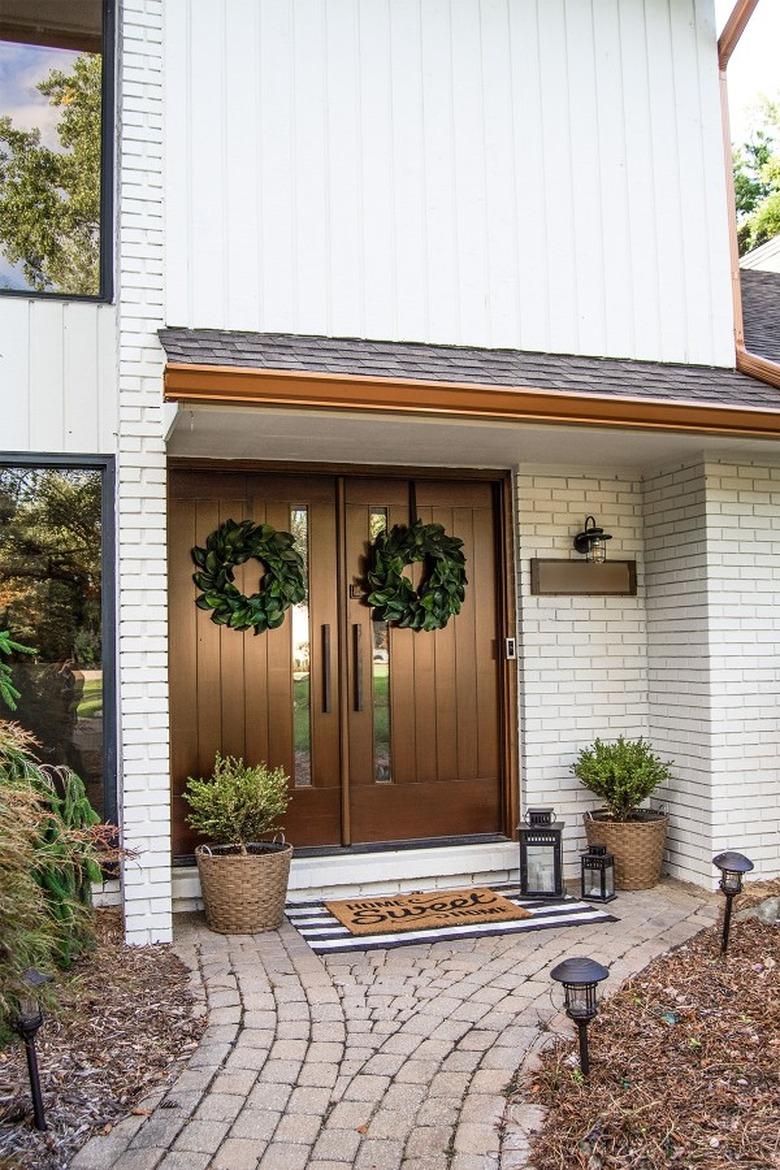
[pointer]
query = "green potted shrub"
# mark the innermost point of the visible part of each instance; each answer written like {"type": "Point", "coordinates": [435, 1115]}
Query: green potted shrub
{"type": "Point", "coordinates": [623, 774]}
{"type": "Point", "coordinates": [243, 879]}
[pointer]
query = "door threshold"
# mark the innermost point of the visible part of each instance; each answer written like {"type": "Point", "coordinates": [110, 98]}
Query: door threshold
{"type": "Point", "coordinates": [337, 873]}
{"type": "Point", "coordinates": [379, 846]}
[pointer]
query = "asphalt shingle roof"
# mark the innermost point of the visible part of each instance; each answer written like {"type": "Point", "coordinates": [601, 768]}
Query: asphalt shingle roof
{"type": "Point", "coordinates": [448, 363]}
{"type": "Point", "coordinates": [761, 312]}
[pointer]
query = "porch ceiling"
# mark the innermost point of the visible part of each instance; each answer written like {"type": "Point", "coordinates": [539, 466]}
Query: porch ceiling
{"type": "Point", "coordinates": [305, 436]}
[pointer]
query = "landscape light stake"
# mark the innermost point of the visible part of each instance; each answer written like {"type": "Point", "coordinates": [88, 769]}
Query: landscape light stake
{"type": "Point", "coordinates": [28, 1022]}
{"type": "Point", "coordinates": [732, 867]}
{"type": "Point", "coordinates": [580, 978]}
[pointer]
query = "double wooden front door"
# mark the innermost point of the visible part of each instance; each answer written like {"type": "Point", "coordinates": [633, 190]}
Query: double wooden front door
{"type": "Point", "coordinates": [387, 735]}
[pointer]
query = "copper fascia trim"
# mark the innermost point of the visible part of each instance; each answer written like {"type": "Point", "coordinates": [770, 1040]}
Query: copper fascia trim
{"type": "Point", "coordinates": [249, 386]}
{"type": "Point", "coordinates": [753, 365]}
{"type": "Point", "coordinates": [733, 29]}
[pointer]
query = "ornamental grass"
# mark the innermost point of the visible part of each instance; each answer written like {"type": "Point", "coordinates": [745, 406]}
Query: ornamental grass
{"type": "Point", "coordinates": [52, 848]}
{"type": "Point", "coordinates": [685, 1066]}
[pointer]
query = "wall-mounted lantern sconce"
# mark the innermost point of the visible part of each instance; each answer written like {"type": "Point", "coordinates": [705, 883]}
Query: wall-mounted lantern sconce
{"type": "Point", "coordinates": [592, 541]}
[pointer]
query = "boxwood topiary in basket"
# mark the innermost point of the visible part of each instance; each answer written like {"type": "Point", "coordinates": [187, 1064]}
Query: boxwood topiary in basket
{"type": "Point", "coordinates": [243, 879]}
{"type": "Point", "coordinates": [624, 773]}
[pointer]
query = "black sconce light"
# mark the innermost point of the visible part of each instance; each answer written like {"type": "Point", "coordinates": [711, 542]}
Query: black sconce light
{"type": "Point", "coordinates": [732, 867]}
{"type": "Point", "coordinates": [541, 854]}
{"type": "Point", "coordinates": [598, 874]}
{"type": "Point", "coordinates": [580, 978]}
{"type": "Point", "coordinates": [592, 541]}
{"type": "Point", "coordinates": [28, 1022]}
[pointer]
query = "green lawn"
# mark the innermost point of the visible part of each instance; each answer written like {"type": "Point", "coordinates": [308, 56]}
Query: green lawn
{"type": "Point", "coordinates": [91, 703]}
{"type": "Point", "coordinates": [381, 708]}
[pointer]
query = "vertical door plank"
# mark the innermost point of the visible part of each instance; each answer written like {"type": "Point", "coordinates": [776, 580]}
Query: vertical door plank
{"type": "Point", "coordinates": [403, 690]}
{"type": "Point", "coordinates": [208, 664]}
{"type": "Point", "coordinates": [425, 686]}
{"type": "Point", "coordinates": [256, 664]}
{"type": "Point", "coordinates": [232, 691]}
{"type": "Point", "coordinates": [183, 672]}
{"type": "Point", "coordinates": [445, 678]}
{"type": "Point", "coordinates": [466, 653]}
{"type": "Point", "coordinates": [484, 586]}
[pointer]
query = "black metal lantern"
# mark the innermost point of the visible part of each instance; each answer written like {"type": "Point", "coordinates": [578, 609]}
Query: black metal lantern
{"type": "Point", "coordinates": [28, 1022]}
{"type": "Point", "coordinates": [732, 866]}
{"type": "Point", "coordinates": [541, 854]}
{"type": "Point", "coordinates": [580, 978]}
{"type": "Point", "coordinates": [592, 541]}
{"type": "Point", "coordinates": [598, 874]}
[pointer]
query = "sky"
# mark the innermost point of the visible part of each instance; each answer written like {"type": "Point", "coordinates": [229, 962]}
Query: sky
{"type": "Point", "coordinates": [21, 68]}
{"type": "Point", "coordinates": [755, 66]}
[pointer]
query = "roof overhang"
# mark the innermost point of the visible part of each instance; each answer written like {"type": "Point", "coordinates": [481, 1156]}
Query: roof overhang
{"type": "Point", "coordinates": [252, 386]}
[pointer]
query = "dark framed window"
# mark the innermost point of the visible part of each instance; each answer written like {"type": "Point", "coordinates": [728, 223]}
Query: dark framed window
{"type": "Point", "coordinates": [56, 148]}
{"type": "Point", "coordinates": [57, 595]}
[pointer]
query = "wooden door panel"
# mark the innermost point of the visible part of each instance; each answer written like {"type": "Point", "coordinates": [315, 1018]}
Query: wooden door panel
{"type": "Point", "coordinates": [444, 685]}
{"type": "Point", "coordinates": [232, 691]}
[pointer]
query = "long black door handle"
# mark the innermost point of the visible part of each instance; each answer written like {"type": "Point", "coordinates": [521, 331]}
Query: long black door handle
{"type": "Point", "coordinates": [357, 651]}
{"type": "Point", "coordinates": [326, 699]}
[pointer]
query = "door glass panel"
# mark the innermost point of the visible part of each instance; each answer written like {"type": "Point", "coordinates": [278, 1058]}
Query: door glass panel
{"type": "Point", "coordinates": [301, 647]}
{"type": "Point", "coordinates": [380, 674]}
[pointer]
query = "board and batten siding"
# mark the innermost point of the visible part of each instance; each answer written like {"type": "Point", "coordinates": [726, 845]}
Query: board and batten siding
{"type": "Point", "coordinates": [539, 174]}
{"type": "Point", "coordinates": [58, 377]}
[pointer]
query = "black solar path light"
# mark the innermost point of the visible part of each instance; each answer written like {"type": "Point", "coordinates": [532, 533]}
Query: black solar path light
{"type": "Point", "coordinates": [28, 1022]}
{"type": "Point", "coordinates": [733, 867]}
{"type": "Point", "coordinates": [580, 978]}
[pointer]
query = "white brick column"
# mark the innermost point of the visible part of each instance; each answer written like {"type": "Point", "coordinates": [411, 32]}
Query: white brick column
{"type": "Point", "coordinates": [679, 683]}
{"type": "Point", "coordinates": [143, 685]}
{"type": "Point", "coordinates": [743, 557]}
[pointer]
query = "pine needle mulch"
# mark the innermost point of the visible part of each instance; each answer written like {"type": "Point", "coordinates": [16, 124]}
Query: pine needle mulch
{"type": "Point", "coordinates": [685, 1066]}
{"type": "Point", "coordinates": [125, 1019]}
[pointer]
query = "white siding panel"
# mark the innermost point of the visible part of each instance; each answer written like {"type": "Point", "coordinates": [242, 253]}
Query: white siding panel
{"type": "Point", "coordinates": [58, 376]}
{"type": "Point", "coordinates": [545, 174]}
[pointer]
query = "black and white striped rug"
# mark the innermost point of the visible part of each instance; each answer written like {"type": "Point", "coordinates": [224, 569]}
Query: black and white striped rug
{"type": "Point", "coordinates": [326, 935]}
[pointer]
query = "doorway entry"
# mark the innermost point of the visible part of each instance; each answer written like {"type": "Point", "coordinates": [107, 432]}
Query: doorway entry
{"type": "Point", "coordinates": [388, 735]}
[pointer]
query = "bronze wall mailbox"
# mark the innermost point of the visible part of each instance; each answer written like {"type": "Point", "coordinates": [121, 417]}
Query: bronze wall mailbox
{"type": "Point", "coordinates": [563, 578]}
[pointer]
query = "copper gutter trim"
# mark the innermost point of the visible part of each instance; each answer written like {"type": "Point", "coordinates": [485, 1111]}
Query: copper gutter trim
{"type": "Point", "coordinates": [250, 386]}
{"type": "Point", "coordinates": [753, 365]}
{"type": "Point", "coordinates": [733, 29]}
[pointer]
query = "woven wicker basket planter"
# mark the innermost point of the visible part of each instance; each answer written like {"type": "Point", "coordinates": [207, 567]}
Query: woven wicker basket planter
{"type": "Point", "coordinates": [244, 892]}
{"type": "Point", "coordinates": [637, 846]}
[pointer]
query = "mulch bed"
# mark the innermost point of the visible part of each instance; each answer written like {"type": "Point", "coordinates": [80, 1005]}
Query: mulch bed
{"type": "Point", "coordinates": [685, 1066]}
{"type": "Point", "coordinates": [124, 1022]}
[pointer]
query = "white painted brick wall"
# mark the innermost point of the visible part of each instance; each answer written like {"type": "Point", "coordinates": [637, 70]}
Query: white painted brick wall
{"type": "Point", "coordinates": [583, 660]}
{"type": "Point", "coordinates": [679, 715]}
{"type": "Point", "coordinates": [743, 556]}
{"type": "Point", "coordinates": [143, 648]}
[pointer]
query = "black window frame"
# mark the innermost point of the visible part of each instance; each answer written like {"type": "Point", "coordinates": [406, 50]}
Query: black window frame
{"type": "Point", "coordinates": [105, 294]}
{"type": "Point", "coordinates": [106, 464]}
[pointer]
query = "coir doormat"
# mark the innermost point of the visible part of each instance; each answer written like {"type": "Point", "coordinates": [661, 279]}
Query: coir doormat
{"type": "Point", "coordinates": [433, 911]}
{"type": "Point", "coordinates": [327, 935]}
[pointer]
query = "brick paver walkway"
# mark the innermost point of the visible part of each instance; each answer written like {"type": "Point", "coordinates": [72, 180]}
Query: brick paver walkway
{"type": "Point", "coordinates": [381, 1060]}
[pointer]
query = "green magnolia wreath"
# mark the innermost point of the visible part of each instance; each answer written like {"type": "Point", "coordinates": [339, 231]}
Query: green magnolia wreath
{"type": "Point", "coordinates": [443, 587]}
{"type": "Point", "coordinates": [283, 584]}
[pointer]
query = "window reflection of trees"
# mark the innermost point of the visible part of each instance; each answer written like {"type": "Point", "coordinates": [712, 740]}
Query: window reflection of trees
{"type": "Point", "coordinates": [50, 598]}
